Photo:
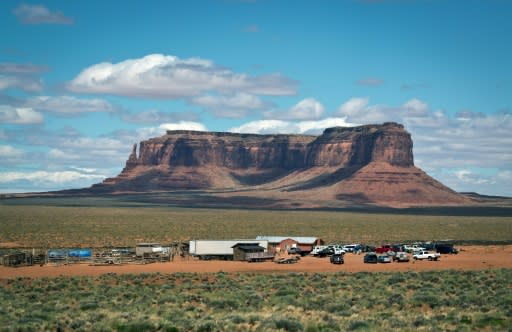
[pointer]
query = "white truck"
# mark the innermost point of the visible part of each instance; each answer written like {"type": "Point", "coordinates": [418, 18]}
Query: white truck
{"type": "Point", "coordinates": [423, 254]}
{"type": "Point", "coordinates": [414, 248]}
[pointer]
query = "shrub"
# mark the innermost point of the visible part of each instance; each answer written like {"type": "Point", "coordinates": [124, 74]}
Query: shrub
{"type": "Point", "coordinates": [288, 324]}
{"type": "Point", "coordinates": [143, 326]}
{"type": "Point", "coordinates": [358, 325]}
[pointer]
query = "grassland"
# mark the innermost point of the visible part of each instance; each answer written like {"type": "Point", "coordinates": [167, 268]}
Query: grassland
{"type": "Point", "coordinates": [400, 301]}
{"type": "Point", "coordinates": [410, 301]}
{"type": "Point", "coordinates": [98, 224]}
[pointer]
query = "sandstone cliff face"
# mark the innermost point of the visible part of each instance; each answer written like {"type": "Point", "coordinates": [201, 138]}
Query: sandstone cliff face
{"type": "Point", "coordinates": [339, 147]}
{"type": "Point", "coordinates": [340, 163]}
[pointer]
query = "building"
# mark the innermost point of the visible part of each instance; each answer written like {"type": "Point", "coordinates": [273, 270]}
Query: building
{"type": "Point", "coordinates": [242, 250]}
{"type": "Point", "coordinates": [219, 249]}
{"type": "Point", "coordinates": [283, 243]}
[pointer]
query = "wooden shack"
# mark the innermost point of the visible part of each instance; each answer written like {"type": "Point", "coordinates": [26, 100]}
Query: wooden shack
{"type": "Point", "coordinates": [240, 250]}
{"type": "Point", "coordinates": [18, 258]}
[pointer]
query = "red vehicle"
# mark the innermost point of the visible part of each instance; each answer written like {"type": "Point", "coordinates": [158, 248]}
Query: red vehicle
{"type": "Point", "coordinates": [383, 249]}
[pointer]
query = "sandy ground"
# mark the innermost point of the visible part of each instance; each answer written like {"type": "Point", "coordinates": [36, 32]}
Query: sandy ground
{"type": "Point", "coordinates": [470, 258]}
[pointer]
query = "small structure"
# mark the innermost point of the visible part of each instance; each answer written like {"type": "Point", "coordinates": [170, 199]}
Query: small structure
{"type": "Point", "coordinates": [16, 258]}
{"type": "Point", "coordinates": [148, 250]}
{"type": "Point", "coordinates": [251, 252]}
{"type": "Point", "coordinates": [219, 249]}
{"type": "Point", "coordinates": [283, 243]}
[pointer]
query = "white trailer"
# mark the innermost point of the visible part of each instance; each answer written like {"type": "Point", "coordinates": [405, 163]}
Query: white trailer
{"type": "Point", "coordinates": [220, 249]}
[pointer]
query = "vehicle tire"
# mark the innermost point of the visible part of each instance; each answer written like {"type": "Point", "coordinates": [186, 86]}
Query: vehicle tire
{"type": "Point", "coordinates": [415, 258]}
{"type": "Point", "coordinates": [430, 258]}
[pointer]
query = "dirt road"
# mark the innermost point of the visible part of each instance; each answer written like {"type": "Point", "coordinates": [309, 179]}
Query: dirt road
{"type": "Point", "coordinates": [470, 258]}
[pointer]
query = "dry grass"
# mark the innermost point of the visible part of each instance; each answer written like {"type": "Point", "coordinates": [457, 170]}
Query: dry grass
{"type": "Point", "coordinates": [41, 225]}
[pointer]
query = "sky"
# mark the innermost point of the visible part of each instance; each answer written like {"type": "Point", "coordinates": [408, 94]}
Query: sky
{"type": "Point", "coordinates": [82, 81]}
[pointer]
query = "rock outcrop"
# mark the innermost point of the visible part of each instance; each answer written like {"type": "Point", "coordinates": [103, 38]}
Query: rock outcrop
{"type": "Point", "coordinates": [370, 164]}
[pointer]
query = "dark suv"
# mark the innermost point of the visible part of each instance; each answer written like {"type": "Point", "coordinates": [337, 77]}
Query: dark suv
{"type": "Point", "coordinates": [371, 258]}
{"type": "Point", "coordinates": [446, 249]}
{"type": "Point", "coordinates": [337, 259]}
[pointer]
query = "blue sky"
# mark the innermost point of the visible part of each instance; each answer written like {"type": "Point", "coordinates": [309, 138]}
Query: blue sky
{"type": "Point", "coordinates": [81, 81]}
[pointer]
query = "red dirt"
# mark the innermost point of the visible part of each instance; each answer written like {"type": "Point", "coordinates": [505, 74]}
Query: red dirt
{"type": "Point", "coordinates": [470, 258]}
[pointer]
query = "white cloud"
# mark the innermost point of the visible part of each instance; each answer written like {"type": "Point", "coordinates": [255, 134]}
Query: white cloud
{"type": "Point", "coordinates": [7, 151]}
{"type": "Point", "coordinates": [26, 83]}
{"type": "Point", "coordinates": [352, 107]}
{"type": "Point", "coordinates": [13, 115]}
{"type": "Point", "coordinates": [184, 125]}
{"type": "Point", "coordinates": [306, 109]}
{"type": "Point", "coordinates": [37, 14]}
{"type": "Point", "coordinates": [68, 105]}
{"type": "Point", "coordinates": [145, 133]}
{"type": "Point", "coordinates": [169, 77]}
{"type": "Point", "coordinates": [237, 105]}
{"type": "Point", "coordinates": [59, 177]}
{"type": "Point", "coordinates": [288, 127]}
{"type": "Point", "coordinates": [415, 107]}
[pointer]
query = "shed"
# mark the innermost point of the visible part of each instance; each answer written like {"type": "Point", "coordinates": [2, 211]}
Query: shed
{"type": "Point", "coordinates": [304, 243]}
{"type": "Point", "coordinates": [17, 258]}
{"type": "Point", "coordinates": [240, 250]}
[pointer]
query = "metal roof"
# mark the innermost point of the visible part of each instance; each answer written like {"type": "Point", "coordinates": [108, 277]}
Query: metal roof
{"type": "Point", "coordinates": [245, 246]}
{"type": "Point", "coordinates": [278, 239]}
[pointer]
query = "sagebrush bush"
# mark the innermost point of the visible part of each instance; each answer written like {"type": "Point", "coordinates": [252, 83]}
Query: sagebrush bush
{"type": "Point", "coordinates": [291, 302]}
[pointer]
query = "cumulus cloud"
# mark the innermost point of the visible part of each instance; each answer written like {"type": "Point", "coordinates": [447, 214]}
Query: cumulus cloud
{"type": "Point", "coordinates": [11, 156]}
{"type": "Point", "coordinates": [306, 109]}
{"type": "Point", "coordinates": [38, 14]}
{"type": "Point", "coordinates": [237, 105]}
{"type": "Point", "coordinates": [69, 105]}
{"type": "Point", "coordinates": [352, 107]}
{"type": "Point", "coordinates": [149, 132]}
{"type": "Point", "coordinates": [59, 177]}
{"type": "Point", "coordinates": [16, 115]}
{"type": "Point", "coordinates": [169, 77]}
{"type": "Point", "coordinates": [26, 83]}
{"type": "Point", "coordinates": [289, 127]}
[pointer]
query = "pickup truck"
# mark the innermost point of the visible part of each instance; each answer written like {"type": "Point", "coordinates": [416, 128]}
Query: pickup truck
{"type": "Point", "coordinates": [414, 248]}
{"type": "Point", "coordinates": [421, 255]}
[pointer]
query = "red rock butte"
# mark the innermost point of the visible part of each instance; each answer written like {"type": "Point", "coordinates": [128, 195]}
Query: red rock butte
{"type": "Point", "coordinates": [364, 165]}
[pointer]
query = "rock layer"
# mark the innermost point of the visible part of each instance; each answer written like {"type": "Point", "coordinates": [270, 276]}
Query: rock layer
{"type": "Point", "coordinates": [370, 164]}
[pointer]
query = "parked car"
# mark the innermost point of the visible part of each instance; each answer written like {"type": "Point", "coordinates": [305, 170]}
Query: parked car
{"type": "Point", "coordinates": [371, 258]}
{"type": "Point", "coordinates": [384, 259]}
{"type": "Point", "coordinates": [337, 259]}
{"type": "Point", "coordinates": [414, 248]}
{"type": "Point", "coordinates": [328, 251]}
{"type": "Point", "coordinates": [383, 249]}
{"type": "Point", "coordinates": [317, 249]}
{"type": "Point", "coordinates": [294, 251]}
{"type": "Point", "coordinates": [352, 247]}
{"type": "Point", "coordinates": [421, 255]}
{"type": "Point", "coordinates": [446, 249]}
{"type": "Point", "coordinates": [401, 257]}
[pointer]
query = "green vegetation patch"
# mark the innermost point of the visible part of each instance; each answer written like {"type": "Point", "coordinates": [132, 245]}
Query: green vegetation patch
{"type": "Point", "coordinates": [402, 301]}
